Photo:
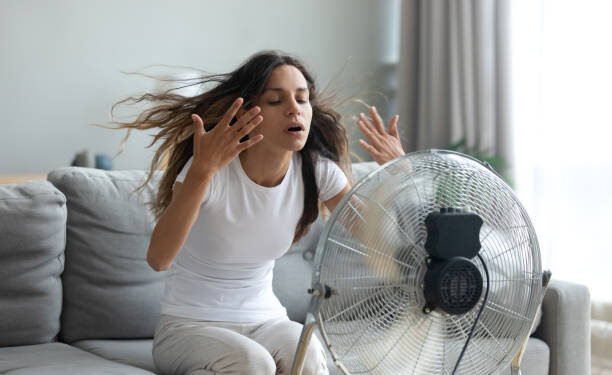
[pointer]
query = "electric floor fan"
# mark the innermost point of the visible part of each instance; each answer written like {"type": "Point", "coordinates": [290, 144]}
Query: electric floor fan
{"type": "Point", "coordinates": [429, 265]}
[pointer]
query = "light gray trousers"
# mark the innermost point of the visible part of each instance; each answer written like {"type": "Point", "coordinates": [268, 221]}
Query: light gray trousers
{"type": "Point", "coordinates": [187, 346]}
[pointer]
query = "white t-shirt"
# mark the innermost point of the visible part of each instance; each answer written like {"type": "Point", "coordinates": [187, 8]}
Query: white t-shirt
{"type": "Point", "coordinates": [224, 270]}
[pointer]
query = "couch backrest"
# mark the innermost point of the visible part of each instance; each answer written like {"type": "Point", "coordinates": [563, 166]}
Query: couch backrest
{"type": "Point", "coordinates": [32, 239]}
{"type": "Point", "coordinates": [109, 289]}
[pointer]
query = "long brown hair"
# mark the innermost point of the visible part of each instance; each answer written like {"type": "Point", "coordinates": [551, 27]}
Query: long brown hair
{"type": "Point", "coordinates": [172, 115]}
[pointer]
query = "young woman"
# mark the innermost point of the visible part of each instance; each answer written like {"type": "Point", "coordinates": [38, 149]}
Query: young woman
{"type": "Point", "coordinates": [248, 162]}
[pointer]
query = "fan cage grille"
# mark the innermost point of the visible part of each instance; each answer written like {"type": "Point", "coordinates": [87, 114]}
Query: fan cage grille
{"type": "Point", "coordinates": [372, 255]}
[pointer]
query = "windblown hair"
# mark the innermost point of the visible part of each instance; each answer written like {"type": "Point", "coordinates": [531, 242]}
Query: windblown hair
{"type": "Point", "coordinates": [171, 114]}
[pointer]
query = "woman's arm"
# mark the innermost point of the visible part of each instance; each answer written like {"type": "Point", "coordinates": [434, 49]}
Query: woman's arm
{"type": "Point", "coordinates": [175, 223]}
{"type": "Point", "coordinates": [385, 146]}
{"type": "Point", "coordinates": [333, 202]}
{"type": "Point", "coordinates": [212, 150]}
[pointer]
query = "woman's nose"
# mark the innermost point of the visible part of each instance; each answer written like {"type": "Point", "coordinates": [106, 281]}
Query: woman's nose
{"type": "Point", "coordinates": [294, 108]}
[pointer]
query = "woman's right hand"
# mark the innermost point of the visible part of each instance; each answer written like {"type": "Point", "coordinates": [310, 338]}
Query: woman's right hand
{"type": "Point", "coordinates": [214, 149]}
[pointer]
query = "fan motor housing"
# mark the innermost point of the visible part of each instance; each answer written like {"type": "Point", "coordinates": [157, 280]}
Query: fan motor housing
{"type": "Point", "coordinates": [453, 232]}
{"type": "Point", "coordinates": [453, 285]}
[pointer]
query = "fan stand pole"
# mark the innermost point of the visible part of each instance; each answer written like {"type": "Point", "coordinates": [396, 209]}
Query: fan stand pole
{"type": "Point", "coordinates": [515, 367]}
{"type": "Point", "coordinates": [300, 355]}
{"type": "Point", "coordinates": [309, 325]}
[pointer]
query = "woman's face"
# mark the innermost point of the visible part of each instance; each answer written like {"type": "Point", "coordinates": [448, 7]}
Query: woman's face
{"type": "Point", "coordinates": [286, 110]}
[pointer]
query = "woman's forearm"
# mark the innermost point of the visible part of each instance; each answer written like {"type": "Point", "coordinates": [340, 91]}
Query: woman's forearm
{"type": "Point", "coordinates": [175, 223]}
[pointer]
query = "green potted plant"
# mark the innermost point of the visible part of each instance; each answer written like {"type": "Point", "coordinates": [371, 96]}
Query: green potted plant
{"type": "Point", "coordinates": [495, 161]}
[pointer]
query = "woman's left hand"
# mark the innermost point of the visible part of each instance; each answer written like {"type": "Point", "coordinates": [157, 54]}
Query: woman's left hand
{"type": "Point", "coordinates": [383, 146]}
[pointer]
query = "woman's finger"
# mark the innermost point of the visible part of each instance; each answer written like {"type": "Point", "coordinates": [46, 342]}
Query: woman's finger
{"type": "Point", "coordinates": [231, 112]}
{"type": "Point", "coordinates": [393, 127]}
{"type": "Point", "coordinates": [199, 124]}
{"type": "Point", "coordinates": [250, 142]}
{"type": "Point", "coordinates": [368, 147]}
{"type": "Point", "coordinates": [366, 121]}
{"type": "Point", "coordinates": [198, 131]}
{"type": "Point", "coordinates": [378, 122]}
{"type": "Point", "coordinates": [369, 133]}
{"type": "Point", "coordinates": [247, 117]}
{"type": "Point", "coordinates": [246, 129]}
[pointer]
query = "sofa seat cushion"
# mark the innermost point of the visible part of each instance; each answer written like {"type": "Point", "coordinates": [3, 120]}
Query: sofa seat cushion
{"type": "Point", "coordinates": [59, 359]}
{"type": "Point", "coordinates": [110, 292]}
{"type": "Point", "coordinates": [32, 240]}
{"type": "Point", "coordinates": [137, 353]}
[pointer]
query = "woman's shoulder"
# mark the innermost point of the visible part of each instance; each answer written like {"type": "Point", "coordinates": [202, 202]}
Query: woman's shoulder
{"type": "Point", "coordinates": [318, 159]}
{"type": "Point", "coordinates": [324, 163]}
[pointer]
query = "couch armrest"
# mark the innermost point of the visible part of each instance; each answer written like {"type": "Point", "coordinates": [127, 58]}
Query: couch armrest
{"type": "Point", "coordinates": [566, 328]}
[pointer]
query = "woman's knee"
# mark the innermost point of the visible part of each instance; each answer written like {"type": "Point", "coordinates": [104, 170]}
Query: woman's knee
{"type": "Point", "coordinates": [254, 360]}
{"type": "Point", "coordinates": [217, 350]}
{"type": "Point", "coordinates": [282, 340]}
{"type": "Point", "coordinates": [247, 360]}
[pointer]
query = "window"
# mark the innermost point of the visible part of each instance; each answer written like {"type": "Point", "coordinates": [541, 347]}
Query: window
{"type": "Point", "coordinates": [562, 115]}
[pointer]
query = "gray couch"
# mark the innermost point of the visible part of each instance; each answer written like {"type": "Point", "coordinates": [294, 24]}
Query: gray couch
{"type": "Point", "coordinates": [77, 296]}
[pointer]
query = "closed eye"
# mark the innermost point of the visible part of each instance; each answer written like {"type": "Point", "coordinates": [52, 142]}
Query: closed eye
{"type": "Point", "coordinates": [278, 102]}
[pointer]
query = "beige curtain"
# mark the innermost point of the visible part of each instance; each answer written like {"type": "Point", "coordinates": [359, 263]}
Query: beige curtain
{"type": "Point", "coordinates": [454, 74]}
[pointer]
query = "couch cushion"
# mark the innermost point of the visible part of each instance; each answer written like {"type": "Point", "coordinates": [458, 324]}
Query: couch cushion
{"type": "Point", "coordinates": [33, 233]}
{"type": "Point", "coordinates": [59, 359]}
{"type": "Point", "coordinates": [137, 353]}
{"type": "Point", "coordinates": [361, 170]}
{"type": "Point", "coordinates": [292, 278]}
{"type": "Point", "coordinates": [109, 289]}
{"type": "Point", "coordinates": [536, 358]}
{"type": "Point", "coordinates": [566, 328]}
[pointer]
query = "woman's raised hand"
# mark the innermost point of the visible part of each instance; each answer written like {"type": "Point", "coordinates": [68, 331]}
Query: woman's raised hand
{"type": "Point", "coordinates": [383, 146]}
{"type": "Point", "coordinates": [214, 149]}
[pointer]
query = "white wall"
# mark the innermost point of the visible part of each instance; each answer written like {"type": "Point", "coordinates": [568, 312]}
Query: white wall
{"type": "Point", "coordinates": [61, 61]}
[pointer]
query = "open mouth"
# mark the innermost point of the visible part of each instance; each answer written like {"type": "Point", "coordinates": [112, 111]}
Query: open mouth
{"type": "Point", "coordinates": [295, 130]}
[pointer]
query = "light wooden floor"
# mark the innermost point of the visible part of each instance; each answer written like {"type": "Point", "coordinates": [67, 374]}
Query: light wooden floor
{"type": "Point", "coordinates": [19, 178]}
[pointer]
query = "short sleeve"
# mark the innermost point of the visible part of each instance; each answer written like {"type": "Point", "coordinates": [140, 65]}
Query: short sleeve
{"type": "Point", "coordinates": [183, 173]}
{"type": "Point", "coordinates": [330, 179]}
